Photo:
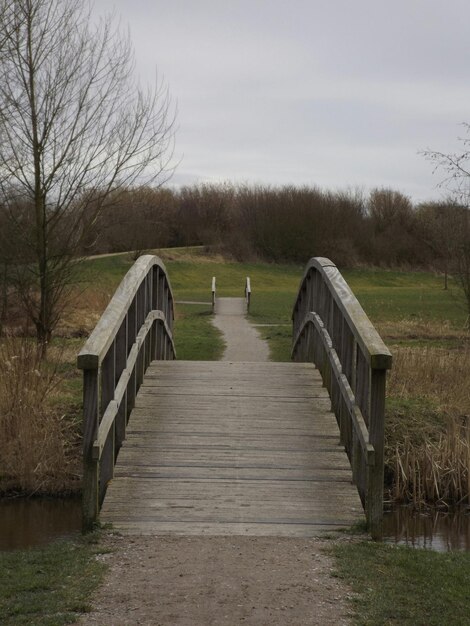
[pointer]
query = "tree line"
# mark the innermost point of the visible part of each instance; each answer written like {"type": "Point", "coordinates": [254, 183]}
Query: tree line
{"type": "Point", "coordinates": [285, 224]}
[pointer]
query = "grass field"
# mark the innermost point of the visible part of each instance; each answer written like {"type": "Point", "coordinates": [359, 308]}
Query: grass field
{"type": "Point", "coordinates": [49, 586]}
{"type": "Point", "coordinates": [410, 306]}
{"type": "Point", "coordinates": [421, 323]}
{"type": "Point", "coordinates": [425, 328]}
{"type": "Point", "coordinates": [424, 325]}
{"type": "Point", "coordinates": [406, 586]}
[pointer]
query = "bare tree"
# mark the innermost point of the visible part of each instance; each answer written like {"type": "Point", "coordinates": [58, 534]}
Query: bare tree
{"type": "Point", "coordinates": [75, 126]}
{"type": "Point", "coordinates": [456, 170]}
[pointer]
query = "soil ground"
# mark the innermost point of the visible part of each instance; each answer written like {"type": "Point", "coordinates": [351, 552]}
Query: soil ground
{"type": "Point", "coordinates": [218, 581]}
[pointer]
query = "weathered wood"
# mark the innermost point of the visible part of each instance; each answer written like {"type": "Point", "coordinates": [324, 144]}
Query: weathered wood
{"type": "Point", "coordinates": [336, 288]}
{"type": "Point", "coordinates": [114, 360]}
{"type": "Point", "coordinates": [332, 330]}
{"type": "Point", "coordinates": [234, 447]}
{"type": "Point", "coordinates": [97, 345]}
{"type": "Point", "coordinates": [231, 461]}
{"type": "Point", "coordinates": [90, 507]}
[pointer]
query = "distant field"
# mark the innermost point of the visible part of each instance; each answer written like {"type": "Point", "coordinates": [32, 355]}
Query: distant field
{"type": "Point", "coordinates": [408, 308]}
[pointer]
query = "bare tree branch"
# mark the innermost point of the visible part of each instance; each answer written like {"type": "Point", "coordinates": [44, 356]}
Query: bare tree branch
{"type": "Point", "coordinates": [72, 119]}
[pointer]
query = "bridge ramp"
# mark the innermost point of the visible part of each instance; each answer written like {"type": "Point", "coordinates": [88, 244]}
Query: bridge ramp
{"type": "Point", "coordinates": [232, 448]}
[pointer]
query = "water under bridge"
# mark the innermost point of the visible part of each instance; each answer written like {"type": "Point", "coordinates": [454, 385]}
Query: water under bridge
{"type": "Point", "coordinates": [244, 447]}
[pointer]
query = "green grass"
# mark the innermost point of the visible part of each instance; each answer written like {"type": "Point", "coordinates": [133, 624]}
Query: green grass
{"type": "Point", "coordinates": [387, 296]}
{"type": "Point", "coordinates": [105, 271]}
{"type": "Point", "coordinates": [196, 339]}
{"type": "Point", "coordinates": [274, 289]}
{"type": "Point", "coordinates": [49, 586]}
{"type": "Point", "coordinates": [393, 296]}
{"type": "Point", "coordinates": [399, 585]}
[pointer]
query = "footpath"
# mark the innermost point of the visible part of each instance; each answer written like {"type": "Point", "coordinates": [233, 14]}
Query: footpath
{"type": "Point", "coordinates": [220, 581]}
{"type": "Point", "coordinates": [242, 340]}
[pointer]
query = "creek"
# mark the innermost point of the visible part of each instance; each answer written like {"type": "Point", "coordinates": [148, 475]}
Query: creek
{"type": "Point", "coordinates": [28, 522]}
{"type": "Point", "coordinates": [436, 530]}
{"type": "Point", "coordinates": [25, 523]}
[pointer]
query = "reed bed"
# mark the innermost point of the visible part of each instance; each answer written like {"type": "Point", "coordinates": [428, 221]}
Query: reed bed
{"type": "Point", "coordinates": [36, 440]}
{"type": "Point", "coordinates": [435, 472]}
{"type": "Point", "coordinates": [439, 374]}
{"type": "Point", "coordinates": [428, 427]}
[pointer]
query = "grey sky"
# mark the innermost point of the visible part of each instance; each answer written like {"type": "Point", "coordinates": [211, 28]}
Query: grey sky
{"type": "Point", "coordinates": [334, 93]}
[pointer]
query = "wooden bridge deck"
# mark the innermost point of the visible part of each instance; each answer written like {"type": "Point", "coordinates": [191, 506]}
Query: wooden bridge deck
{"type": "Point", "coordinates": [222, 448]}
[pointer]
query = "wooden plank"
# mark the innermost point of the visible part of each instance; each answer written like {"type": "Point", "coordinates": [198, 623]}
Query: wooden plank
{"type": "Point", "coordinates": [259, 458]}
{"type": "Point", "coordinates": [181, 528]}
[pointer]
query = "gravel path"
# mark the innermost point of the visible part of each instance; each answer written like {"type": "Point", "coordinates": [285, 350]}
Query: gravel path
{"type": "Point", "coordinates": [243, 342]}
{"type": "Point", "coordinates": [218, 581]}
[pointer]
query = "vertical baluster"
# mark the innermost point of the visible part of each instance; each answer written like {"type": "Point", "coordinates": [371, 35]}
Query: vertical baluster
{"type": "Point", "coordinates": [153, 348]}
{"type": "Point", "coordinates": [139, 375]}
{"type": "Point", "coordinates": [108, 377]}
{"type": "Point", "coordinates": [131, 336]}
{"type": "Point", "coordinates": [121, 358]}
{"type": "Point", "coordinates": [376, 437]}
{"type": "Point", "coordinates": [90, 484]}
{"type": "Point", "coordinates": [362, 391]}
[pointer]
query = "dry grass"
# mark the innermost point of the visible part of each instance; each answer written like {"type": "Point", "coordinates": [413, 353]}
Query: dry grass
{"type": "Point", "coordinates": [435, 472]}
{"type": "Point", "coordinates": [439, 374]}
{"type": "Point", "coordinates": [35, 444]}
{"type": "Point", "coordinates": [416, 328]}
{"type": "Point", "coordinates": [86, 308]}
{"type": "Point", "coordinates": [429, 442]}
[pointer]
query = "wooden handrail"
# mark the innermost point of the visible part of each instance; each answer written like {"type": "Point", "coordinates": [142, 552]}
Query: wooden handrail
{"type": "Point", "coordinates": [331, 329]}
{"type": "Point", "coordinates": [135, 328]}
{"type": "Point", "coordinates": [248, 293]}
{"type": "Point", "coordinates": [213, 293]}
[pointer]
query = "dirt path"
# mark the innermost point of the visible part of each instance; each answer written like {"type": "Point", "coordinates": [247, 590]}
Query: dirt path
{"type": "Point", "coordinates": [243, 342]}
{"type": "Point", "coordinates": [218, 581]}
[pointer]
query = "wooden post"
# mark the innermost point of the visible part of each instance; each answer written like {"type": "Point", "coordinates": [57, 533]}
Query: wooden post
{"type": "Point", "coordinates": [90, 504]}
{"type": "Point", "coordinates": [108, 368]}
{"type": "Point", "coordinates": [375, 487]}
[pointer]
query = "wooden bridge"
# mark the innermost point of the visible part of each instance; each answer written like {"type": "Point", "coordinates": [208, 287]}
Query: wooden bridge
{"type": "Point", "coordinates": [186, 447]}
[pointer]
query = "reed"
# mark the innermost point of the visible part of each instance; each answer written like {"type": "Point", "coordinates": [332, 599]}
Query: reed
{"type": "Point", "coordinates": [428, 436]}
{"type": "Point", "coordinates": [35, 438]}
{"type": "Point", "coordinates": [439, 374]}
{"type": "Point", "coordinates": [437, 472]}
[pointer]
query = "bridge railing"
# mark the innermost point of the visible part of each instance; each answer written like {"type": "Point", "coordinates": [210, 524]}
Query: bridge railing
{"type": "Point", "coordinates": [331, 329]}
{"type": "Point", "coordinates": [135, 329]}
{"type": "Point", "coordinates": [213, 294]}
{"type": "Point", "coordinates": [248, 293]}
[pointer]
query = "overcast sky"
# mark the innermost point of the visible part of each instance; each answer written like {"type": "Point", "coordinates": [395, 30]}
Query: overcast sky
{"type": "Point", "coordinates": [333, 93]}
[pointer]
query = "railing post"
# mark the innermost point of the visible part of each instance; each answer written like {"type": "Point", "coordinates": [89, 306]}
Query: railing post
{"type": "Point", "coordinates": [106, 470]}
{"type": "Point", "coordinates": [376, 437]}
{"type": "Point", "coordinates": [90, 485]}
